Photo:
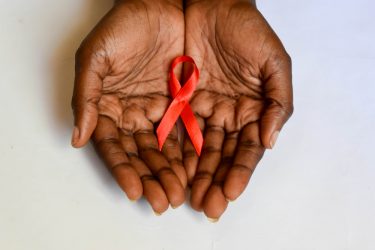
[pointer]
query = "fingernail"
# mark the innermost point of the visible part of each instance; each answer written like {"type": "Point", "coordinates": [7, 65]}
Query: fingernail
{"type": "Point", "coordinates": [174, 207]}
{"type": "Point", "coordinates": [75, 136]}
{"type": "Point", "coordinates": [212, 220]}
{"type": "Point", "coordinates": [229, 200]}
{"type": "Point", "coordinates": [274, 138]}
{"type": "Point", "coordinates": [157, 214]}
{"type": "Point", "coordinates": [133, 201]}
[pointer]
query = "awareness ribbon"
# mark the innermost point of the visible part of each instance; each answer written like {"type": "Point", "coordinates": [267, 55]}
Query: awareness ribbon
{"type": "Point", "coordinates": [180, 106]}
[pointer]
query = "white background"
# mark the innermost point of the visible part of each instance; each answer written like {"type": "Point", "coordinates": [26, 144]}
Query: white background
{"type": "Point", "coordinates": [315, 190]}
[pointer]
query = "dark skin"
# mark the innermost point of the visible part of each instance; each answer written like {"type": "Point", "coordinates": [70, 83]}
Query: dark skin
{"type": "Point", "coordinates": [121, 93]}
{"type": "Point", "coordinates": [243, 99]}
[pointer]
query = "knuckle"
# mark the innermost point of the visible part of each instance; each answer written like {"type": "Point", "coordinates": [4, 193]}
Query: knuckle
{"type": "Point", "coordinates": [281, 62]}
{"type": "Point", "coordinates": [251, 147]}
{"type": "Point", "coordinates": [203, 175]}
{"type": "Point", "coordinates": [211, 149]}
{"type": "Point", "coordinates": [176, 161]}
{"type": "Point", "coordinates": [81, 53]}
{"type": "Point", "coordinates": [121, 165]}
{"type": "Point", "coordinates": [105, 141]}
{"type": "Point", "coordinates": [148, 177]}
{"type": "Point", "coordinates": [288, 58]}
{"type": "Point", "coordinates": [248, 145]}
{"type": "Point", "coordinates": [132, 154]}
{"type": "Point", "coordinates": [190, 154]}
{"type": "Point", "coordinates": [92, 51]}
{"type": "Point", "coordinates": [290, 109]}
{"type": "Point", "coordinates": [243, 168]}
{"type": "Point", "coordinates": [163, 171]}
{"type": "Point", "coordinates": [287, 109]}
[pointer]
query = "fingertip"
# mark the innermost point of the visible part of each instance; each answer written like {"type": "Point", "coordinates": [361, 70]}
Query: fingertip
{"type": "Point", "coordinates": [172, 186]}
{"type": "Point", "coordinates": [129, 181]}
{"type": "Point", "coordinates": [272, 123]}
{"type": "Point", "coordinates": [75, 137]}
{"type": "Point", "coordinates": [180, 172]}
{"type": "Point", "coordinates": [267, 131]}
{"type": "Point", "coordinates": [195, 205]}
{"type": "Point", "coordinates": [155, 196]}
{"type": "Point", "coordinates": [198, 192]}
{"type": "Point", "coordinates": [177, 198]}
{"type": "Point", "coordinates": [235, 184]}
{"type": "Point", "coordinates": [213, 220]}
{"type": "Point", "coordinates": [229, 199]}
{"type": "Point", "coordinates": [215, 202]}
{"type": "Point", "coordinates": [273, 138]}
{"type": "Point", "coordinates": [230, 194]}
{"type": "Point", "coordinates": [134, 193]}
{"type": "Point", "coordinates": [233, 188]}
{"type": "Point", "coordinates": [77, 140]}
{"type": "Point", "coordinates": [86, 116]}
{"type": "Point", "coordinates": [159, 207]}
{"type": "Point", "coordinates": [84, 129]}
{"type": "Point", "coordinates": [269, 138]}
{"type": "Point", "coordinates": [157, 214]}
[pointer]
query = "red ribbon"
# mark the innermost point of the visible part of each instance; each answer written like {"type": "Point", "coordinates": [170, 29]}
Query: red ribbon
{"type": "Point", "coordinates": [180, 106]}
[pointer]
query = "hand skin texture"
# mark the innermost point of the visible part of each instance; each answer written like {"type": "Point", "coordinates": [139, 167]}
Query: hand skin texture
{"type": "Point", "coordinates": [243, 99]}
{"type": "Point", "coordinates": [121, 93]}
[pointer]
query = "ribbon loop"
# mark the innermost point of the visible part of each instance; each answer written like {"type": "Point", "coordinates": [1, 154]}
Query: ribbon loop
{"type": "Point", "coordinates": [180, 106]}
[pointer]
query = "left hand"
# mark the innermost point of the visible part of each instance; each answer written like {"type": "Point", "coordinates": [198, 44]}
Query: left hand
{"type": "Point", "coordinates": [243, 99]}
{"type": "Point", "coordinates": [121, 94]}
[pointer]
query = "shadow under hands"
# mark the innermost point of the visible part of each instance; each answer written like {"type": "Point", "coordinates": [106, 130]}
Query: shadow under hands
{"type": "Point", "coordinates": [90, 12]}
{"type": "Point", "coordinates": [63, 82]}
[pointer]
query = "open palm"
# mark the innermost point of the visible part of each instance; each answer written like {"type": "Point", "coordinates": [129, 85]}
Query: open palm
{"type": "Point", "coordinates": [242, 101]}
{"type": "Point", "coordinates": [121, 93]}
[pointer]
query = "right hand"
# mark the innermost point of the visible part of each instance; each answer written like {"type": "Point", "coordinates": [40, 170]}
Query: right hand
{"type": "Point", "coordinates": [243, 99]}
{"type": "Point", "coordinates": [121, 93]}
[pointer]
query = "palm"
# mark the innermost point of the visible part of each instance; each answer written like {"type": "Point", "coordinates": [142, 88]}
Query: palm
{"type": "Point", "coordinates": [237, 53]}
{"type": "Point", "coordinates": [122, 70]}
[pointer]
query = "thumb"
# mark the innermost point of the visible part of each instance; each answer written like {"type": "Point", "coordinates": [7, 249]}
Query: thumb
{"type": "Point", "coordinates": [279, 99]}
{"type": "Point", "coordinates": [86, 96]}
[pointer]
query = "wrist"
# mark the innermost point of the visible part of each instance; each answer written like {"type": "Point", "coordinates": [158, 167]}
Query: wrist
{"type": "Point", "coordinates": [177, 3]}
{"type": "Point", "coordinates": [190, 2]}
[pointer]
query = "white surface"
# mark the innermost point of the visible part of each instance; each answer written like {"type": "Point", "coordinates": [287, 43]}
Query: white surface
{"type": "Point", "coordinates": [314, 191]}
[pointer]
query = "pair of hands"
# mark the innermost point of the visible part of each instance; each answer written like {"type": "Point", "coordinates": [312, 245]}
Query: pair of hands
{"type": "Point", "coordinates": [243, 98]}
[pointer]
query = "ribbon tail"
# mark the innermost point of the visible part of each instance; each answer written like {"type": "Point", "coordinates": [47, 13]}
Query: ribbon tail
{"type": "Point", "coordinates": [169, 121]}
{"type": "Point", "coordinates": [193, 129]}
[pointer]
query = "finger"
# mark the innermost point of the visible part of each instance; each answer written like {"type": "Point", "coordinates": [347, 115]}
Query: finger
{"type": "Point", "coordinates": [248, 153]}
{"type": "Point", "coordinates": [228, 151]}
{"type": "Point", "coordinates": [155, 194]}
{"type": "Point", "coordinates": [172, 152]}
{"type": "Point", "coordinates": [279, 98]}
{"type": "Point", "coordinates": [215, 202]}
{"type": "Point", "coordinates": [109, 148]}
{"type": "Point", "coordinates": [152, 190]}
{"type": "Point", "coordinates": [191, 157]}
{"type": "Point", "coordinates": [148, 150]}
{"type": "Point", "coordinates": [208, 163]}
{"type": "Point", "coordinates": [86, 95]}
